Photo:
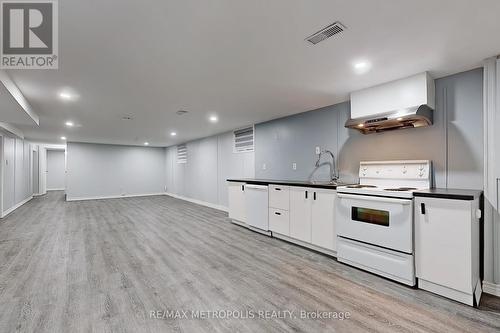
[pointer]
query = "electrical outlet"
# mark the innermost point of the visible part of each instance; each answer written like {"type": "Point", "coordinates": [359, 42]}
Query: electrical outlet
{"type": "Point", "coordinates": [294, 166]}
{"type": "Point", "coordinates": [318, 150]}
{"type": "Point", "coordinates": [264, 166]}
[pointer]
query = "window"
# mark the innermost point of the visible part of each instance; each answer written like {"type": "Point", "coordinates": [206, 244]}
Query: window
{"type": "Point", "coordinates": [244, 140]}
{"type": "Point", "coordinates": [182, 153]}
{"type": "Point", "coordinates": [373, 216]}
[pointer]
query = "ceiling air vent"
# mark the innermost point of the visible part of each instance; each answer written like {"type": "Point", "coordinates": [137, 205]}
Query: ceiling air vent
{"type": "Point", "coordinates": [182, 153]}
{"type": "Point", "coordinates": [244, 140]}
{"type": "Point", "coordinates": [325, 33]}
{"type": "Point", "coordinates": [181, 112]}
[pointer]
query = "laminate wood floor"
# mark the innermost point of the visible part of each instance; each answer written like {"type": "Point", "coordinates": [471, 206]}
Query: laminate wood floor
{"type": "Point", "coordinates": [105, 265]}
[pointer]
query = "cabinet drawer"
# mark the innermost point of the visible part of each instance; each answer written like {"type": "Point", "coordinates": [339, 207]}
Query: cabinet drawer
{"type": "Point", "coordinates": [279, 197]}
{"type": "Point", "coordinates": [279, 221]}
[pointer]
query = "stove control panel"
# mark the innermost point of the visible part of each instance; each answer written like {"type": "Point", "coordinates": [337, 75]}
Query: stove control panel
{"type": "Point", "coordinates": [418, 169]}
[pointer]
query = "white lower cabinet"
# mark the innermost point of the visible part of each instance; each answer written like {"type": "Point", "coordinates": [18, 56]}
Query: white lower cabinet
{"type": "Point", "coordinates": [323, 219]}
{"type": "Point", "coordinates": [279, 221]}
{"type": "Point", "coordinates": [312, 216]}
{"type": "Point", "coordinates": [236, 200]}
{"type": "Point", "coordinates": [300, 213]}
{"type": "Point", "coordinates": [304, 214]}
{"type": "Point", "coordinates": [447, 247]}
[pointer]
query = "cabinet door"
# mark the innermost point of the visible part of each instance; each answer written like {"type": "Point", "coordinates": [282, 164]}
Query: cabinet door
{"type": "Point", "coordinates": [279, 221]}
{"type": "Point", "coordinates": [237, 209]}
{"type": "Point", "coordinates": [323, 219]}
{"type": "Point", "coordinates": [443, 242]}
{"type": "Point", "coordinates": [300, 213]}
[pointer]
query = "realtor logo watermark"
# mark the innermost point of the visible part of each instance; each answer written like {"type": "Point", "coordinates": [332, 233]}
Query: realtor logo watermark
{"type": "Point", "coordinates": [29, 32]}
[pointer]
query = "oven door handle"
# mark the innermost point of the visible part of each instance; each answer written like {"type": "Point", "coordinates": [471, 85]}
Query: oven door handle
{"type": "Point", "coordinates": [372, 198]}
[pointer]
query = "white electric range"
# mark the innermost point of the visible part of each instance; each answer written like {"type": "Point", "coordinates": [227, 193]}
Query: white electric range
{"type": "Point", "coordinates": [375, 218]}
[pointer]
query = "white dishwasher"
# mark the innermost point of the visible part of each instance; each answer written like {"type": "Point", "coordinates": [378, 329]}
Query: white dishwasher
{"type": "Point", "coordinates": [257, 206]}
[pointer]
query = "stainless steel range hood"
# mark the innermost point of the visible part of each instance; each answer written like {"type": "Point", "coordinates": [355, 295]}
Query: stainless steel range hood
{"type": "Point", "coordinates": [405, 103]}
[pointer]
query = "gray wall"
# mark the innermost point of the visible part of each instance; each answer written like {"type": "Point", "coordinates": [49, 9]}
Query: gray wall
{"type": "Point", "coordinates": [56, 170]}
{"type": "Point", "coordinates": [98, 170]}
{"type": "Point", "coordinates": [16, 164]}
{"type": "Point", "coordinates": [454, 143]}
{"type": "Point", "coordinates": [210, 162]}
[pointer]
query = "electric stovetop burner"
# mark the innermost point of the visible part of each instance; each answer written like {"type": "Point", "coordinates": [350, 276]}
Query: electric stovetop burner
{"type": "Point", "coordinates": [361, 186]}
{"type": "Point", "coordinates": [400, 189]}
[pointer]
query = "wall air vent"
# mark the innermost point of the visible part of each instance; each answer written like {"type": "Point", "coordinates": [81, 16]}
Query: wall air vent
{"type": "Point", "coordinates": [325, 33]}
{"type": "Point", "coordinates": [182, 153]}
{"type": "Point", "coordinates": [244, 140]}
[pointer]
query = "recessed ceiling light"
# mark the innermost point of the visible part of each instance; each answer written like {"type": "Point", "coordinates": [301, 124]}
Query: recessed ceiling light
{"type": "Point", "coordinates": [63, 138]}
{"type": "Point", "coordinates": [173, 134]}
{"type": "Point", "coordinates": [70, 124]}
{"type": "Point", "coordinates": [213, 119]}
{"type": "Point", "coordinates": [67, 95]}
{"type": "Point", "coordinates": [361, 67]}
{"type": "Point", "coordinates": [361, 125]}
{"type": "Point", "coordinates": [146, 143]}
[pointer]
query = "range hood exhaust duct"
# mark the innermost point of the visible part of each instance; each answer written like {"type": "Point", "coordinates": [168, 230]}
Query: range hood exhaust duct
{"type": "Point", "coordinates": [400, 104]}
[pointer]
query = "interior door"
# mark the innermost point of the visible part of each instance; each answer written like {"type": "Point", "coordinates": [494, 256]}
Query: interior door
{"type": "Point", "coordinates": [36, 172]}
{"type": "Point", "coordinates": [323, 219]}
{"type": "Point", "coordinates": [9, 148]}
{"type": "Point", "coordinates": [300, 213]}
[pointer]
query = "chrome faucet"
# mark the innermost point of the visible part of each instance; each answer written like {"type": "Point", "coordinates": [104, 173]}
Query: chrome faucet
{"type": "Point", "coordinates": [333, 176]}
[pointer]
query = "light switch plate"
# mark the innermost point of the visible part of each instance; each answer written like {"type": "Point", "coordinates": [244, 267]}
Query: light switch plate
{"type": "Point", "coordinates": [264, 166]}
{"type": "Point", "coordinates": [294, 166]}
{"type": "Point", "coordinates": [318, 150]}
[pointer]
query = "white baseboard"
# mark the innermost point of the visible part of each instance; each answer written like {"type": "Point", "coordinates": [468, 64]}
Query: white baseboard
{"type": "Point", "coordinates": [13, 208]}
{"type": "Point", "coordinates": [491, 288]}
{"type": "Point", "coordinates": [68, 198]}
{"type": "Point", "coordinates": [199, 202]}
{"type": "Point", "coordinates": [56, 189]}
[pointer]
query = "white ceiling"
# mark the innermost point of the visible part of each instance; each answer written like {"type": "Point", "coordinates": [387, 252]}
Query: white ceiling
{"type": "Point", "coordinates": [245, 61]}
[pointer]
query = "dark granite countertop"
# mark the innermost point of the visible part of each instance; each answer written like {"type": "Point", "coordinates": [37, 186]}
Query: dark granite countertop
{"type": "Point", "coordinates": [448, 193]}
{"type": "Point", "coordinates": [305, 183]}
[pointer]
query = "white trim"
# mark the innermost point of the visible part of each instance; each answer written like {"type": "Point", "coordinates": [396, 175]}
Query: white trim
{"type": "Point", "coordinates": [113, 196]}
{"type": "Point", "coordinates": [491, 288]}
{"type": "Point", "coordinates": [56, 189]}
{"type": "Point", "coordinates": [453, 294]}
{"type": "Point", "coordinates": [199, 202]}
{"type": "Point", "coordinates": [12, 130]}
{"type": "Point", "coordinates": [13, 89]}
{"type": "Point", "coordinates": [305, 244]}
{"type": "Point", "coordinates": [249, 227]}
{"type": "Point", "coordinates": [13, 208]}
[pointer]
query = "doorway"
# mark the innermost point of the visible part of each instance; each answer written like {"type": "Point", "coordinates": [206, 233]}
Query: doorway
{"type": "Point", "coordinates": [36, 171]}
{"type": "Point", "coordinates": [56, 170]}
